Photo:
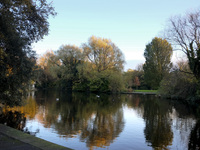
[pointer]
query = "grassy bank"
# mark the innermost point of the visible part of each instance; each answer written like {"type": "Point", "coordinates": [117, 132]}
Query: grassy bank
{"type": "Point", "coordinates": [146, 91]}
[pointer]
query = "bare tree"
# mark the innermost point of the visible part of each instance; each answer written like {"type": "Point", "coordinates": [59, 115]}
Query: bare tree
{"type": "Point", "coordinates": [184, 31]}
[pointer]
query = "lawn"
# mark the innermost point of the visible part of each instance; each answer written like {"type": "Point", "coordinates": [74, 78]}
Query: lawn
{"type": "Point", "coordinates": [149, 91]}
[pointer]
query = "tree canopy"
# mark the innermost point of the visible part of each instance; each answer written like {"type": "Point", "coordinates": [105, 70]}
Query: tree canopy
{"type": "Point", "coordinates": [103, 65]}
{"type": "Point", "coordinates": [95, 66]}
{"type": "Point", "coordinates": [45, 73]}
{"type": "Point", "coordinates": [103, 54]}
{"type": "Point", "coordinates": [184, 31]}
{"type": "Point", "coordinates": [158, 61]}
{"type": "Point", "coordinates": [21, 23]}
{"type": "Point", "coordinates": [70, 58]}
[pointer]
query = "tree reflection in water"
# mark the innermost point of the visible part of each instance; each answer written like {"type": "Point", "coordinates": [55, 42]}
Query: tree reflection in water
{"type": "Point", "coordinates": [158, 123]}
{"type": "Point", "coordinates": [156, 114]}
{"type": "Point", "coordinates": [14, 119]}
{"type": "Point", "coordinates": [194, 142]}
{"type": "Point", "coordinates": [96, 120]}
{"type": "Point", "coordinates": [106, 124]}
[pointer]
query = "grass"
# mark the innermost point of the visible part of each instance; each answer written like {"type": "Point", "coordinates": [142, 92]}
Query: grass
{"type": "Point", "coordinates": [149, 91]}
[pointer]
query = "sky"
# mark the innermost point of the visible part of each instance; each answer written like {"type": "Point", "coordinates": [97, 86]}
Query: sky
{"type": "Point", "coordinates": [130, 24]}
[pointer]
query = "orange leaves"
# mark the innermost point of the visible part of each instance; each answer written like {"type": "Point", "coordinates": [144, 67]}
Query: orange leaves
{"type": "Point", "coordinates": [9, 71]}
{"type": "Point", "coordinates": [137, 81]}
{"type": "Point", "coordinates": [44, 59]}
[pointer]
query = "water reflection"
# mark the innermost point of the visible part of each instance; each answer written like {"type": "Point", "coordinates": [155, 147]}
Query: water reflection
{"type": "Point", "coordinates": [158, 123]}
{"type": "Point", "coordinates": [16, 117]}
{"type": "Point", "coordinates": [135, 102]}
{"type": "Point", "coordinates": [194, 142]}
{"type": "Point", "coordinates": [98, 120]}
{"type": "Point", "coordinates": [156, 114]}
{"type": "Point", "coordinates": [13, 119]}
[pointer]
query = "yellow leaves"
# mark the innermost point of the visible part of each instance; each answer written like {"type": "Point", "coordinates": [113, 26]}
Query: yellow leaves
{"type": "Point", "coordinates": [32, 82]}
{"type": "Point", "coordinates": [103, 54]}
{"type": "Point", "coordinates": [130, 70]}
{"type": "Point", "coordinates": [9, 71]}
{"type": "Point", "coordinates": [44, 59]}
{"type": "Point", "coordinates": [99, 42]}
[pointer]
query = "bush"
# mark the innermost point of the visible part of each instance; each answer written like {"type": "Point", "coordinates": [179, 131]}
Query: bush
{"type": "Point", "coordinates": [179, 85]}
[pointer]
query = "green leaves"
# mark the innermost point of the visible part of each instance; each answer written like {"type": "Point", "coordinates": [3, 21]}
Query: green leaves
{"type": "Point", "coordinates": [70, 58]}
{"type": "Point", "coordinates": [105, 64]}
{"type": "Point", "coordinates": [21, 23]}
{"type": "Point", "coordinates": [96, 66]}
{"type": "Point", "coordinates": [158, 61]}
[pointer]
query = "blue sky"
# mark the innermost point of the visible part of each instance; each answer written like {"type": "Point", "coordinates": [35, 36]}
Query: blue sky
{"type": "Point", "coordinates": [130, 24]}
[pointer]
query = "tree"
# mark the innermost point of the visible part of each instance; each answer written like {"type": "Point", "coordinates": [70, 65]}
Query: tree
{"type": "Point", "coordinates": [21, 23]}
{"type": "Point", "coordinates": [178, 84]}
{"type": "Point", "coordinates": [128, 79]}
{"type": "Point", "coordinates": [103, 59]}
{"type": "Point", "coordinates": [70, 57]}
{"type": "Point", "coordinates": [136, 82]}
{"type": "Point", "coordinates": [140, 75]}
{"type": "Point", "coordinates": [46, 64]}
{"type": "Point", "coordinates": [158, 61]}
{"type": "Point", "coordinates": [103, 54]}
{"type": "Point", "coordinates": [185, 32]}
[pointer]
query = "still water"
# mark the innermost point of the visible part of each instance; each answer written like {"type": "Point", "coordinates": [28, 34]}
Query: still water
{"type": "Point", "coordinates": [90, 121]}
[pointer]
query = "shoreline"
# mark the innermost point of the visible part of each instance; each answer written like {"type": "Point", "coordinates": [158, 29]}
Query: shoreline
{"type": "Point", "coordinates": [13, 138]}
{"type": "Point", "coordinates": [141, 93]}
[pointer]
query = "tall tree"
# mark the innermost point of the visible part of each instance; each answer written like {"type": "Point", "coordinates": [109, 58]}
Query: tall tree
{"type": "Point", "coordinates": [158, 61]}
{"type": "Point", "coordinates": [103, 64]}
{"type": "Point", "coordinates": [103, 54]}
{"type": "Point", "coordinates": [185, 32]}
{"type": "Point", "coordinates": [70, 57]}
{"type": "Point", "coordinates": [21, 23]}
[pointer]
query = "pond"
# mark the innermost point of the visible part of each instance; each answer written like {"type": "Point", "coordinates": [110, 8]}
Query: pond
{"type": "Point", "coordinates": [91, 121]}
